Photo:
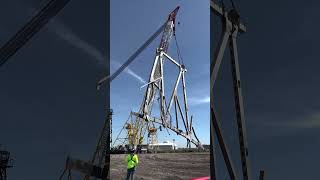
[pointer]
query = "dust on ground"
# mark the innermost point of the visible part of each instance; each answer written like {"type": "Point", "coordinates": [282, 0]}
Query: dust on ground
{"type": "Point", "coordinates": [169, 166]}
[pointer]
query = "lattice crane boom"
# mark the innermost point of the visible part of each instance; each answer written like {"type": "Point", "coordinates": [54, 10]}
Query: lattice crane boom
{"type": "Point", "coordinates": [156, 72]}
{"type": "Point", "coordinates": [34, 25]}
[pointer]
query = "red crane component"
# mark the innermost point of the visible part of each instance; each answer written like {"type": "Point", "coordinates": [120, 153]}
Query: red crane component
{"type": "Point", "coordinates": [169, 30]}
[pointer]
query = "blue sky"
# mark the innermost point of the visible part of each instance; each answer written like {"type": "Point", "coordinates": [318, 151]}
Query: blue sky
{"type": "Point", "coordinates": [132, 23]}
{"type": "Point", "coordinates": [50, 107]}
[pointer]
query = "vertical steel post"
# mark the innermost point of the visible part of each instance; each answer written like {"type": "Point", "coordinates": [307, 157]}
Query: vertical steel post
{"type": "Point", "coordinates": [162, 99]}
{"type": "Point", "coordinates": [69, 175]}
{"type": "Point", "coordinates": [186, 106]}
{"type": "Point", "coordinates": [262, 175]}
{"type": "Point", "coordinates": [231, 26]}
{"type": "Point", "coordinates": [239, 106]}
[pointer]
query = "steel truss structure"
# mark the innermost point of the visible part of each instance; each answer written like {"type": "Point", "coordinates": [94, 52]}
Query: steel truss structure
{"type": "Point", "coordinates": [5, 163]}
{"type": "Point", "coordinates": [99, 165]}
{"type": "Point", "coordinates": [143, 122]}
{"type": "Point", "coordinates": [231, 26]}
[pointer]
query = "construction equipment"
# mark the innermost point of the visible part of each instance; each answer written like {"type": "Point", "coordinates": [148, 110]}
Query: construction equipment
{"type": "Point", "coordinates": [84, 167]}
{"type": "Point", "coordinates": [50, 10]}
{"type": "Point", "coordinates": [231, 28]}
{"type": "Point", "coordinates": [101, 157]}
{"type": "Point", "coordinates": [99, 166]}
{"type": "Point", "coordinates": [142, 123]}
{"type": "Point", "coordinates": [5, 163]}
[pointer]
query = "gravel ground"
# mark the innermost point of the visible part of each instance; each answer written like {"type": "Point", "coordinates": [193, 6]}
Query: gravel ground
{"type": "Point", "coordinates": [169, 166]}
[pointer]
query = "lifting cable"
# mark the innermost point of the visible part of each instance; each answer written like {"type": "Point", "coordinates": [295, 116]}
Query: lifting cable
{"type": "Point", "coordinates": [178, 50]}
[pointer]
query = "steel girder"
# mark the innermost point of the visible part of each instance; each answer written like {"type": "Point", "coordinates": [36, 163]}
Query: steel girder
{"type": "Point", "coordinates": [231, 28]}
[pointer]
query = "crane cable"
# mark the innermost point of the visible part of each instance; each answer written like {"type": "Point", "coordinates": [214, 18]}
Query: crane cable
{"type": "Point", "coordinates": [178, 50]}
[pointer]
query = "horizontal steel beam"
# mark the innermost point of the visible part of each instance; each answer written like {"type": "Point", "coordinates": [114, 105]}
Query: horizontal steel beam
{"type": "Point", "coordinates": [176, 130]}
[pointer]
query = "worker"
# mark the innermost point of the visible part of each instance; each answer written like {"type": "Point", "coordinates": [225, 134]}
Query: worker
{"type": "Point", "coordinates": [132, 161]}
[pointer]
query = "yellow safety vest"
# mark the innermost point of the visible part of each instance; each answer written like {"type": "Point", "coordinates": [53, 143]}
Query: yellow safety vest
{"type": "Point", "coordinates": [132, 161]}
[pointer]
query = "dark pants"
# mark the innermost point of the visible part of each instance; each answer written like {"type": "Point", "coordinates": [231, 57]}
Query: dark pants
{"type": "Point", "coordinates": [130, 173]}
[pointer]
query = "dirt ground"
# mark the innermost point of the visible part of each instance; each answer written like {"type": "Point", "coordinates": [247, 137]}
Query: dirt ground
{"type": "Point", "coordinates": [169, 166]}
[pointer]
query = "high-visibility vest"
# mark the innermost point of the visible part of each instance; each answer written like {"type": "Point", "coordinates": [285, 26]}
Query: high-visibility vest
{"type": "Point", "coordinates": [132, 161]}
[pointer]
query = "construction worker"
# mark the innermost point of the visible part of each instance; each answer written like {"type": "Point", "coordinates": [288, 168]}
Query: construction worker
{"type": "Point", "coordinates": [132, 161]}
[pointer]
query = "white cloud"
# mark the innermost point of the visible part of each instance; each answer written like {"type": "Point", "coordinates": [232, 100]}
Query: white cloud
{"type": "Point", "coordinates": [130, 72]}
{"type": "Point", "coordinates": [305, 122]}
{"type": "Point", "coordinates": [308, 122]}
{"type": "Point", "coordinates": [67, 35]}
{"type": "Point", "coordinates": [199, 101]}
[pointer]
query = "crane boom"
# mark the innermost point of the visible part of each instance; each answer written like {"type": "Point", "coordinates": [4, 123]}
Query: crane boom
{"type": "Point", "coordinates": [168, 32]}
{"type": "Point", "coordinates": [131, 58]}
{"type": "Point", "coordinates": [156, 70]}
{"type": "Point", "coordinates": [50, 10]}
